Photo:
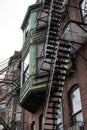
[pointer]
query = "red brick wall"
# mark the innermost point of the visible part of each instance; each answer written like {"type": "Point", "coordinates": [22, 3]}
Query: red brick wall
{"type": "Point", "coordinates": [29, 118]}
{"type": "Point", "coordinates": [78, 77]}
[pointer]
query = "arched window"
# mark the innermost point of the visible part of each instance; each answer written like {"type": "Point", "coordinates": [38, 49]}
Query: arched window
{"type": "Point", "coordinates": [33, 126]}
{"type": "Point", "coordinates": [76, 107]}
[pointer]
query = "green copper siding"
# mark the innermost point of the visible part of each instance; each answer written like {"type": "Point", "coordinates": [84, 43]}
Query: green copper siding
{"type": "Point", "coordinates": [33, 83]}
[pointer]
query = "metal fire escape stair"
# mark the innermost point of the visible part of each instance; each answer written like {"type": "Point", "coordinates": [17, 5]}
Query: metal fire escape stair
{"type": "Point", "coordinates": [57, 55]}
{"type": "Point", "coordinates": [3, 119]}
{"type": "Point", "coordinates": [4, 67]}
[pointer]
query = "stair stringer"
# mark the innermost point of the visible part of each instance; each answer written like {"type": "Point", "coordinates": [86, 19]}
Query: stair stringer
{"type": "Point", "coordinates": [55, 57]}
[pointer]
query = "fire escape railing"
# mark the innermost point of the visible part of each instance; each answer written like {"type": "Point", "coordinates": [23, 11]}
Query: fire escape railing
{"type": "Point", "coordinates": [59, 55]}
{"type": "Point", "coordinates": [11, 81]}
{"type": "Point", "coordinates": [4, 119]}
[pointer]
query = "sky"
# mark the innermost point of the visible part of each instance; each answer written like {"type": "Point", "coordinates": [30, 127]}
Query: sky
{"type": "Point", "coordinates": [12, 13]}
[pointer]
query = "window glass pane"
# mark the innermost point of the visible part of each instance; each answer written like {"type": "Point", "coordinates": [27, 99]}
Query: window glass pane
{"type": "Point", "coordinates": [59, 127]}
{"type": "Point", "coordinates": [2, 106]}
{"type": "Point", "coordinates": [32, 21]}
{"type": "Point", "coordinates": [82, 7]}
{"type": "Point", "coordinates": [26, 61]}
{"type": "Point", "coordinates": [1, 127]}
{"type": "Point", "coordinates": [26, 68]}
{"type": "Point", "coordinates": [31, 24]}
{"type": "Point", "coordinates": [18, 117]}
{"type": "Point", "coordinates": [76, 101]}
{"type": "Point", "coordinates": [18, 126]}
{"type": "Point", "coordinates": [18, 108]}
{"type": "Point", "coordinates": [3, 89]}
{"type": "Point", "coordinates": [79, 117]}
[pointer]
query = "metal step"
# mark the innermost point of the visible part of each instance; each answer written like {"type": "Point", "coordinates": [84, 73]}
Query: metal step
{"type": "Point", "coordinates": [49, 129]}
{"type": "Point", "coordinates": [56, 84]}
{"type": "Point", "coordinates": [65, 45]}
{"type": "Point", "coordinates": [60, 73]}
{"type": "Point", "coordinates": [55, 25]}
{"type": "Point", "coordinates": [54, 101]}
{"type": "Point", "coordinates": [50, 57]}
{"type": "Point", "coordinates": [53, 107]}
{"type": "Point", "coordinates": [52, 48]}
{"type": "Point", "coordinates": [58, 79]}
{"type": "Point", "coordinates": [60, 68]}
{"type": "Point", "coordinates": [49, 118]}
{"type": "Point", "coordinates": [52, 113]}
{"type": "Point", "coordinates": [52, 43]}
{"type": "Point", "coordinates": [63, 56]}
{"type": "Point", "coordinates": [61, 63]}
{"type": "Point", "coordinates": [57, 3]}
{"type": "Point", "coordinates": [50, 124]}
{"type": "Point", "coordinates": [63, 60]}
{"type": "Point", "coordinates": [51, 52]}
{"type": "Point", "coordinates": [64, 51]}
{"type": "Point", "coordinates": [53, 38]}
{"type": "Point", "coordinates": [57, 15]}
{"type": "Point", "coordinates": [56, 96]}
{"type": "Point", "coordinates": [55, 20]}
{"type": "Point", "coordinates": [57, 7]}
{"type": "Point", "coordinates": [53, 29]}
{"type": "Point", "coordinates": [53, 33]}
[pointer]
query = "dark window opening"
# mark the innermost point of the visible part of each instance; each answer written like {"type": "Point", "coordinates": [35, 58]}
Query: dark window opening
{"type": "Point", "coordinates": [40, 122]}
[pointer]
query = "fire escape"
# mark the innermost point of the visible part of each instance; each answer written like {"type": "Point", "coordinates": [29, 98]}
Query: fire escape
{"type": "Point", "coordinates": [12, 85]}
{"type": "Point", "coordinates": [58, 50]}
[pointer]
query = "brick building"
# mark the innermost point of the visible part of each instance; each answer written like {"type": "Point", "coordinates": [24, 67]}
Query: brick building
{"type": "Point", "coordinates": [53, 83]}
{"type": "Point", "coordinates": [53, 68]}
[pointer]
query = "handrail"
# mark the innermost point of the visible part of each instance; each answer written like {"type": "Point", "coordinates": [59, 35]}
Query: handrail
{"type": "Point", "coordinates": [51, 73]}
{"type": "Point", "coordinates": [9, 66]}
{"type": "Point", "coordinates": [9, 93]}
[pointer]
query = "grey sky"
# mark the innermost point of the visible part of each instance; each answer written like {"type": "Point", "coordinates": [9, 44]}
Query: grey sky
{"type": "Point", "coordinates": [12, 13]}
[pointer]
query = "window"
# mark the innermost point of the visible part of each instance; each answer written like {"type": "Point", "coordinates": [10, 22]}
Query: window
{"type": "Point", "coordinates": [76, 106]}
{"type": "Point", "coordinates": [33, 126]}
{"type": "Point", "coordinates": [18, 108]}
{"type": "Point", "coordinates": [18, 117]}
{"type": "Point", "coordinates": [2, 106]}
{"type": "Point", "coordinates": [83, 6]}
{"type": "Point", "coordinates": [26, 68]}
{"type": "Point", "coordinates": [3, 89]}
{"type": "Point", "coordinates": [17, 113]}
{"type": "Point", "coordinates": [31, 23]}
{"type": "Point", "coordinates": [27, 30]}
{"type": "Point", "coordinates": [18, 126]}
